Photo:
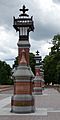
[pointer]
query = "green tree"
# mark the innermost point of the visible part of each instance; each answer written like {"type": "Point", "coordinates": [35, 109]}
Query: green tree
{"type": "Point", "coordinates": [52, 62]}
{"type": "Point", "coordinates": [5, 73]}
{"type": "Point", "coordinates": [32, 62]}
{"type": "Point", "coordinates": [56, 44]}
{"type": "Point", "coordinates": [50, 69]}
{"type": "Point", "coordinates": [58, 72]}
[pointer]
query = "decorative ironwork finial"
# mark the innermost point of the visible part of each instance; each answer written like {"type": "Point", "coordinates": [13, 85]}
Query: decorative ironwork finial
{"type": "Point", "coordinates": [23, 10]}
{"type": "Point", "coordinates": [37, 52]}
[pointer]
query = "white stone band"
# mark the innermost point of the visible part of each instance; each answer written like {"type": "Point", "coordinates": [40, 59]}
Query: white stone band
{"type": "Point", "coordinates": [23, 97]}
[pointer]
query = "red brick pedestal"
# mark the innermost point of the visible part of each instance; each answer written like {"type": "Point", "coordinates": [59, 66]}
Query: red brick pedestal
{"type": "Point", "coordinates": [37, 83]}
{"type": "Point", "coordinates": [22, 100]}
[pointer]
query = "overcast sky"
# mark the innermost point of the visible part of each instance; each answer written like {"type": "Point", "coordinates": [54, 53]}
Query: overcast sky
{"type": "Point", "coordinates": [46, 15]}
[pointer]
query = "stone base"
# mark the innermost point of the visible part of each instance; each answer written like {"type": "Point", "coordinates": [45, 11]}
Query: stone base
{"type": "Point", "coordinates": [37, 91]}
{"type": "Point", "coordinates": [22, 104]}
{"type": "Point", "coordinates": [28, 109]}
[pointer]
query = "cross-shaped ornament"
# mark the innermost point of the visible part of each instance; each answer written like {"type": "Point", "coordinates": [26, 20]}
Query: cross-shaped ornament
{"type": "Point", "coordinates": [24, 9]}
{"type": "Point", "coordinates": [37, 52]}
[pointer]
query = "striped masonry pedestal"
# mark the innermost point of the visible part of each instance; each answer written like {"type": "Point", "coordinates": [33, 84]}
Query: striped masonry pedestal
{"type": "Point", "coordinates": [22, 100]}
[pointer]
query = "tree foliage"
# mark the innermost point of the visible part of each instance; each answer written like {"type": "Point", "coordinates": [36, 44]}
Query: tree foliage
{"type": "Point", "coordinates": [32, 62]}
{"type": "Point", "coordinates": [52, 62]}
{"type": "Point", "coordinates": [5, 73]}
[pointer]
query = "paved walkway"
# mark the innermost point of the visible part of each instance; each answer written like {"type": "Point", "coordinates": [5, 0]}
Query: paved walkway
{"type": "Point", "coordinates": [47, 107]}
{"type": "Point", "coordinates": [50, 100]}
